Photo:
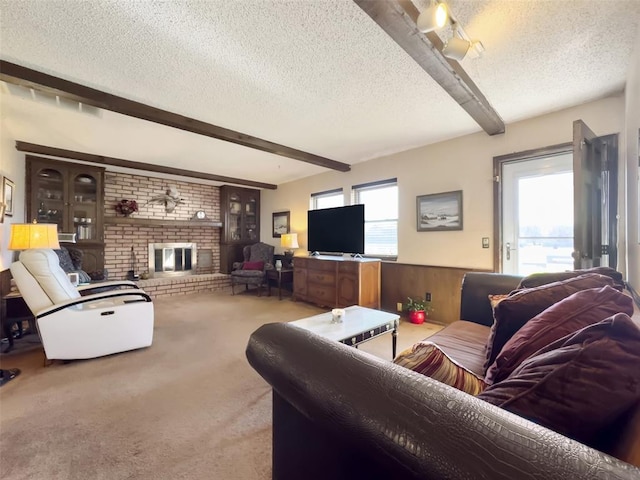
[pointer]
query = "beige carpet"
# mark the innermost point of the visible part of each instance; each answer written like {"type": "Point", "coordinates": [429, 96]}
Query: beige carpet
{"type": "Point", "coordinates": [188, 407]}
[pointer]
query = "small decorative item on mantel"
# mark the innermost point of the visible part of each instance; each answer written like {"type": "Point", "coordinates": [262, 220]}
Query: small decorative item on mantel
{"type": "Point", "coordinates": [126, 207]}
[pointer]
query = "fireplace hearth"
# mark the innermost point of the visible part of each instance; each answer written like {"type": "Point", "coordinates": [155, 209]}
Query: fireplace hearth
{"type": "Point", "coordinates": [172, 259]}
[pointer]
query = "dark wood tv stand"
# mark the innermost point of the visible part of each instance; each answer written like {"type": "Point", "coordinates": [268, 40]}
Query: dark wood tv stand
{"type": "Point", "coordinates": [337, 282]}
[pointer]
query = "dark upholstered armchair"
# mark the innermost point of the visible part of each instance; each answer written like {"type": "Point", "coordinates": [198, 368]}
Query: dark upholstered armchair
{"type": "Point", "coordinates": [71, 262]}
{"type": "Point", "coordinates": [258, 258]}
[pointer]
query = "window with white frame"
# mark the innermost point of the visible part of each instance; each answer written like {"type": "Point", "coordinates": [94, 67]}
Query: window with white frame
{"type": "Point", "coordinates": [328, 199]}
{"type": "Point", "coordinates": [380, 201]}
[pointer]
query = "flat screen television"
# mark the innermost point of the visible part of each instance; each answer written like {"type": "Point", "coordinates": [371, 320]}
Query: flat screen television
{"type": "Point", "coordinates": [336, 230]}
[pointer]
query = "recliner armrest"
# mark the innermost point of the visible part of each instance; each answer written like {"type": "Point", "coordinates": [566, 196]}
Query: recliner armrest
{"type": "Point", "coordinates": [111, 285]}
{"type": "Point", "coordinates": [144, 297]}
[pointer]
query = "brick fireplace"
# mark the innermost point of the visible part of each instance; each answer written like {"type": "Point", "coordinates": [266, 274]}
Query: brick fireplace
{"type": "Point", "coordinates": [172, 259]}
{"type": "Point", "coordinates": [121, 237]}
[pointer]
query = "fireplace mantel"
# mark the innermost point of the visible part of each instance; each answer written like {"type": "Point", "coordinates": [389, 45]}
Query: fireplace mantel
{"type": "Point", "coordinates": [159, 222]}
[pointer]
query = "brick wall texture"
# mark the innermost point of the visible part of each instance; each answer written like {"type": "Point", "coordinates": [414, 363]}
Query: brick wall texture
{"type": "Point", "coordinates": [121, 239]}
{"type": "Point", "coordinates": [163, 287]}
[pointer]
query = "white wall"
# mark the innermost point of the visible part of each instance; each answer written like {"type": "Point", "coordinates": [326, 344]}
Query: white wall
{"type": "Point", "coordinates": [460, 164]}
{"type": "Point", "coordinates": [632, 128]}
{"type": "Point", "coordinates": [464, 163]}
{"type": "Point", "coordinates": [12, 165]}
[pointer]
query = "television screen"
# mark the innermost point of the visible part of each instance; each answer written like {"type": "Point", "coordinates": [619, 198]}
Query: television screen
{"type": "Point", "coordinates": [336, 230]}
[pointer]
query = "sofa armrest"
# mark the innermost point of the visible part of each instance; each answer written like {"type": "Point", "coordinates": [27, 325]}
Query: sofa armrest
{"type": "Point", "coordinates": [339, 411]}
{"type": "Point", "coordinates": [474, 296]}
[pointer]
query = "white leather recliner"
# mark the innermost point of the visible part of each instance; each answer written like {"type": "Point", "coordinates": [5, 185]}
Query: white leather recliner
{"type": "Point", "coordinates": [74, 326]}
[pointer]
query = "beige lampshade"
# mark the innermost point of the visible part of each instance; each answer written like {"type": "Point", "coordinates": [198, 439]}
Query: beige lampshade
{"type": "Point", "coordinates": [289, 240]}
{"type": "Point", "coordinates": [25, 236]}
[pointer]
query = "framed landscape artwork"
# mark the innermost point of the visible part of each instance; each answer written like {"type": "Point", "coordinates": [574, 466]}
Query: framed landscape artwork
{"type": "Point", "coordinates": [280, 224]}
{"type": "Point", "coordinates": [439, 211]}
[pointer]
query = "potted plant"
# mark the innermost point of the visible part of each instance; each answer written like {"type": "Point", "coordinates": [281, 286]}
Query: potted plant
{"type": "Point", "coordinates": [418, 309]}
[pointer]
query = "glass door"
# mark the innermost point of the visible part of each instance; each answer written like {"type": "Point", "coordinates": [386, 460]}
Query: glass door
{"type": "Point", "coordinates": [235, 217]}
{"type": "Point", "coordinates": [251, 218]}
{"type": "Point", "coordinates": [537, 221]}
{"type": "Point", "coordinates": [83, 198]}
{"type": "Point", "coordinates": [49, 197]}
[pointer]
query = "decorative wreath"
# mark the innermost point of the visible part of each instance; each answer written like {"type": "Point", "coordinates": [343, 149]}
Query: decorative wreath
{"type": "Point", "coordinates": [126, 207]}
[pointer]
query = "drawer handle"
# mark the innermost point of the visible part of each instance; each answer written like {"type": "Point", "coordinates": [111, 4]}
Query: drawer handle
{"type": "Point", "coordinates": [109, 312]}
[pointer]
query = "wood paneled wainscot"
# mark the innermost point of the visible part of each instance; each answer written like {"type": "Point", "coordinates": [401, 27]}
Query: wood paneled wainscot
{"type": "Point", "coordinates": [337, 282]}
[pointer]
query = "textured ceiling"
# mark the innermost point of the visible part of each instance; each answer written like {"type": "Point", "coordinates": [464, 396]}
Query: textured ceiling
{"type": "Point", "coordinates": [316, 75]}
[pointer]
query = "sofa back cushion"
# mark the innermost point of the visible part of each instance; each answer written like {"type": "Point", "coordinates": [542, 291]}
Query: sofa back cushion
{"type": "Point", "coordinates": [537, 279]}
{"type": "Point", "coordinates": [522, 305]}
{"type": "Point", "coordinates": [32, 293]}
{"type": "Point", "coordinates": [568, 315]}
{"type": "Point", "coordinates": [44, 265]}
{"type": "Point", "coordinates": [476, 286]}
{"type": "Point", "coordinates": [579, 384]}
{"type": "Point", "coordinates": [259, 252]}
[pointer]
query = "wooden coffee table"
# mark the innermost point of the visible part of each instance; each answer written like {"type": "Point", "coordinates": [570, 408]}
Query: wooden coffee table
{"type": "Point", "coordinates": [360, 325]}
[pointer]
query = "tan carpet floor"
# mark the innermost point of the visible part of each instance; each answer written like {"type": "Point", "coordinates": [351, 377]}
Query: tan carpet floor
{"type": "Point", "coordinates": [188, 407]}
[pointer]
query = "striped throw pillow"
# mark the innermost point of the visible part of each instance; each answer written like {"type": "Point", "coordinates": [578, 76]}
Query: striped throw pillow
{"type": "Point", "coordinates": [427, 358]}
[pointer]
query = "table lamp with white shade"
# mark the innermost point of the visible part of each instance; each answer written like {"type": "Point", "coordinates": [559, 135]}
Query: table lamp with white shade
{"type": "Point", "coordinates": [289, 241]}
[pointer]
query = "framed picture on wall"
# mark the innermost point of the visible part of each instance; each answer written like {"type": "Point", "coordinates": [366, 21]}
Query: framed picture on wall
{"type": "Point", "coordinates": [439, 211]}
{"type": "Point", "coordinates": [280, 224]}
{"type": "Point", "coordinates": [7, 195]}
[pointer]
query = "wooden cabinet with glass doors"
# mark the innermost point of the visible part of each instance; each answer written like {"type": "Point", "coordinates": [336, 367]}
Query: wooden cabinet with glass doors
{"type": "Point", "coordinates": [240, 208]}
{"type": "Point", "coordinates": [70, 195]}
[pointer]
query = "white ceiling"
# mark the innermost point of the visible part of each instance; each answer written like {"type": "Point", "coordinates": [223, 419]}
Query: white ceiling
{"type": "Point", "coordinates": [315, 75]}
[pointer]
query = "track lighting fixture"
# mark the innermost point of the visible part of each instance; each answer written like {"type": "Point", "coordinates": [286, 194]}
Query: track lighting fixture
{"type": "Point", "coordinates": [434, 17]}
{"type": "Point", "coordinates": [456, 48]}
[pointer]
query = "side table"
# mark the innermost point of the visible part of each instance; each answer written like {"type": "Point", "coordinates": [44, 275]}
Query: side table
{"type": "Point", "coordinates": [282, 275]}
{"type": "Point", "coordinates": [15, 310]}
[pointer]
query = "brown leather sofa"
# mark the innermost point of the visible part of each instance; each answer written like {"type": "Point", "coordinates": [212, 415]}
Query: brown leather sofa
{"type": "Point", "coordinates": [339, 413]}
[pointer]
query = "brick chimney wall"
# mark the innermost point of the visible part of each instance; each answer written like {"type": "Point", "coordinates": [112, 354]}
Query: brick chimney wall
{"type": "Point", "coordinates": [120, 238]}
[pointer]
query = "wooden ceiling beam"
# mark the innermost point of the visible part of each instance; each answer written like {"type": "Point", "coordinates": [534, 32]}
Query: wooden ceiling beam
{"type": "Point", "coordinates": [398, 19]}
{"type": "Point", "coordinates": [118, 162]}
{"type": "Point", "coordinates": [19, 75]}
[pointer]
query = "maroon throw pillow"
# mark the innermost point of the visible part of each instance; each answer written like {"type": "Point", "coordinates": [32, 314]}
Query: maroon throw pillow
{"type": "Point", "coordinates": [578, 385]}
{"type": "Point", "coordinates": [253, 266]}
{"type": "Point", "coordinates": [562, 318]}
{"type": "Point", "coordinates": [522, 305]}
